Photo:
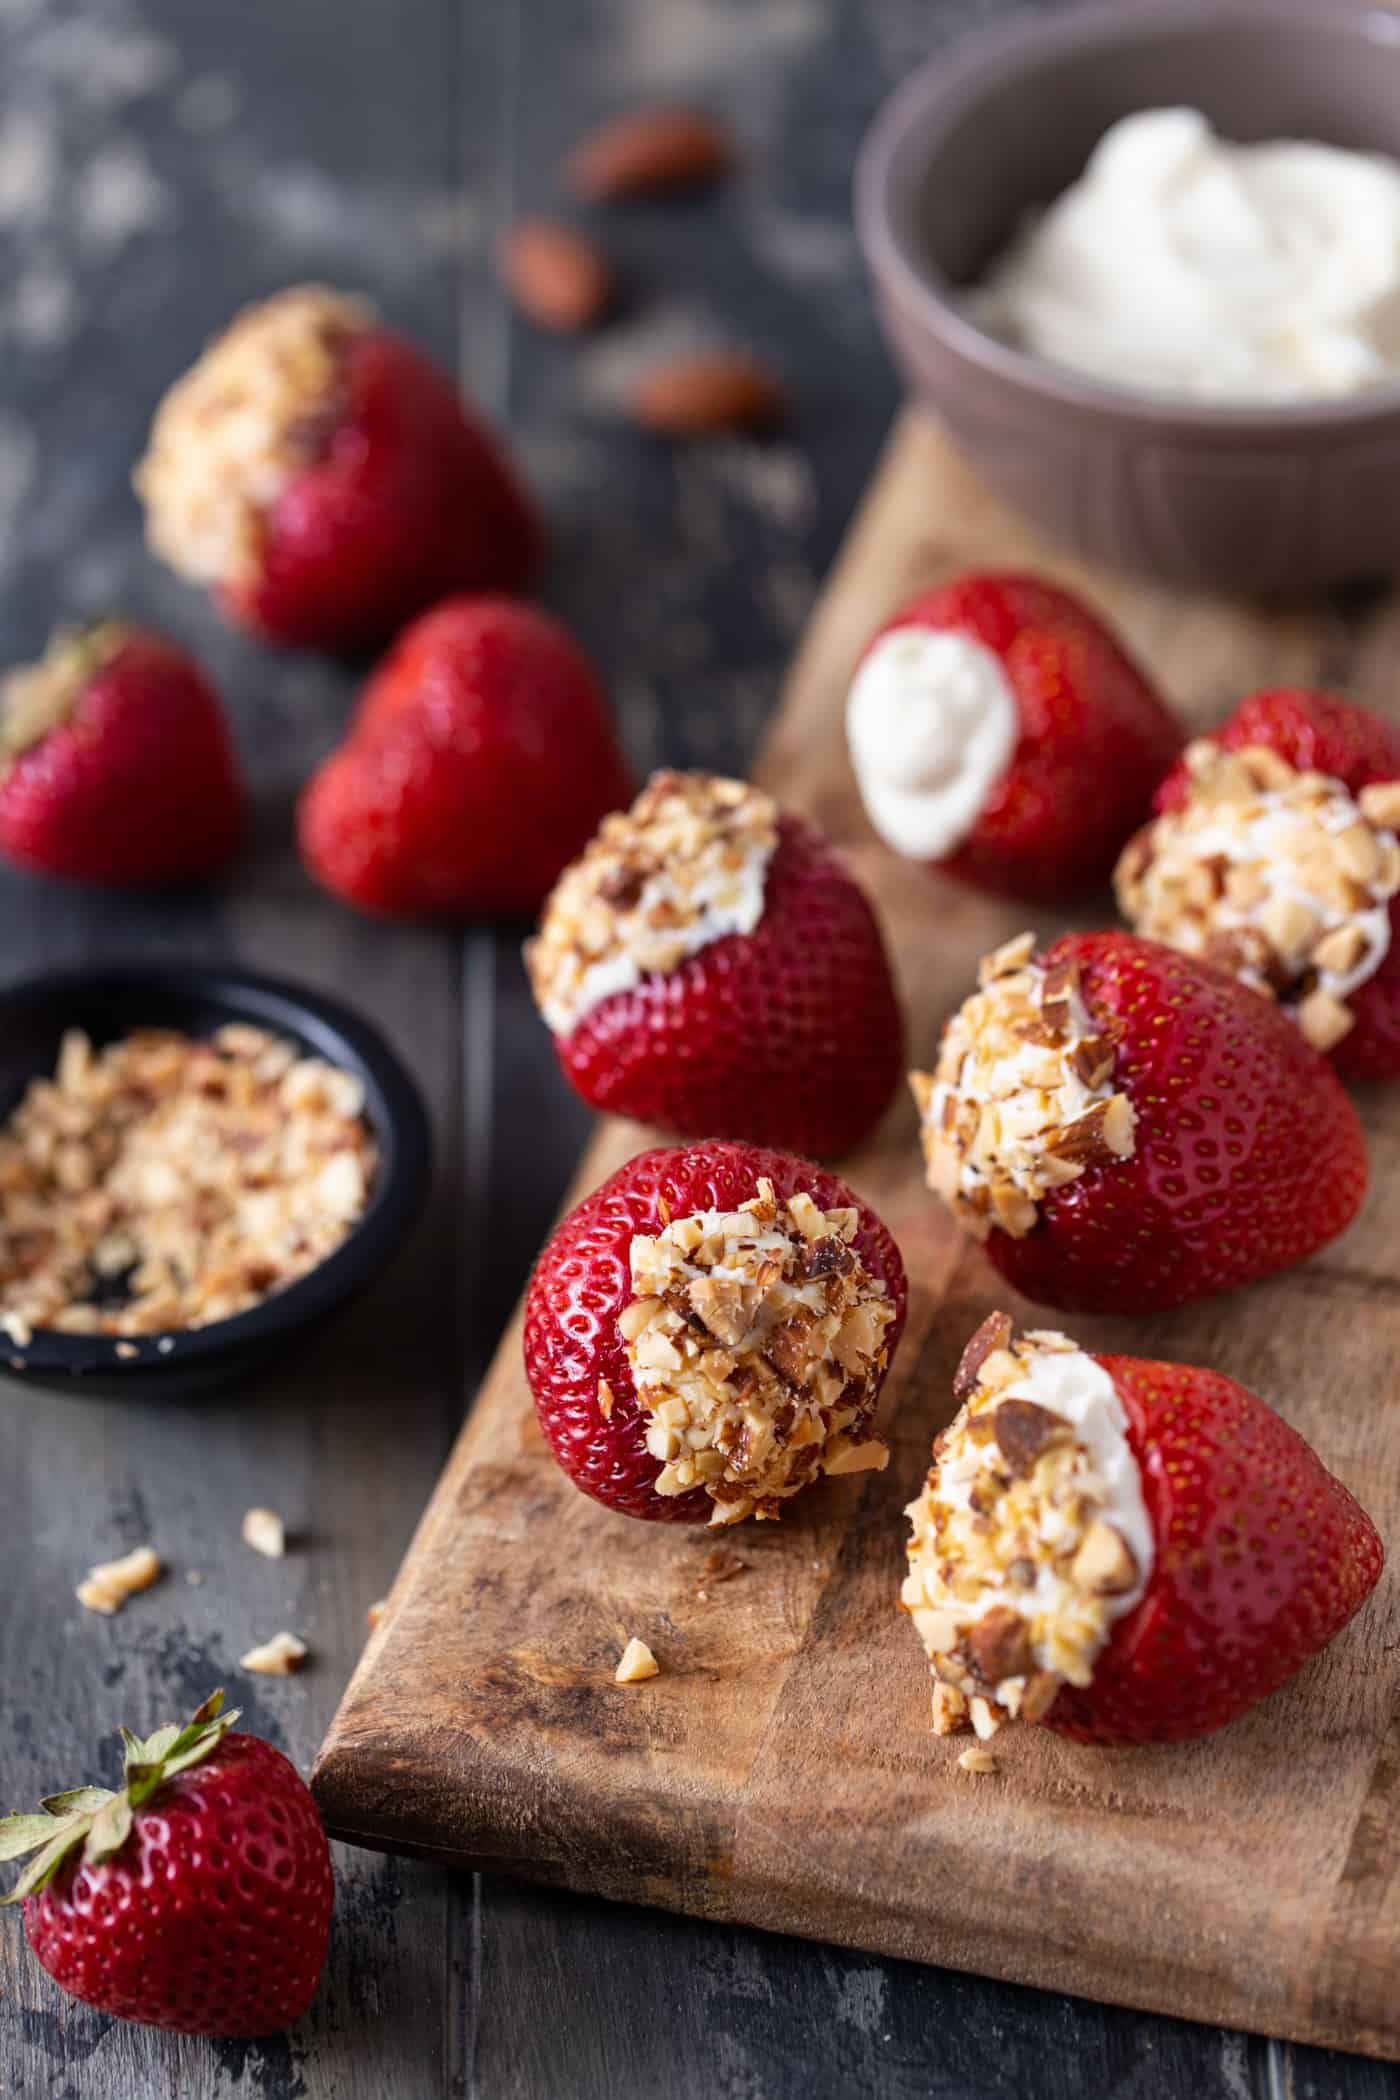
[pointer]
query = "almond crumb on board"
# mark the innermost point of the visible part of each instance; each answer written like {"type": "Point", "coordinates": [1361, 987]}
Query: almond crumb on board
{"type": "Point", "coordinates": [637, 1664]}
{"type": "Point", "coordinates": [720, 1565]}
{"type": "Point", "coordinates": [278, 1657]}
{"type": "Point", "coordinates": [265, 1532]}
{"type": "Point", "coordinates": [975, 1760]}
{"type": "Point", "coordinates": [376, 1612]}
{"type": "Point", "coordinates": [108, 1585]}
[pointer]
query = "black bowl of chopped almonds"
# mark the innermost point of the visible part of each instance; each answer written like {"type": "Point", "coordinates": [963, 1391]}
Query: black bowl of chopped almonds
{"type": "Point", "coordinates": [197, 1166]}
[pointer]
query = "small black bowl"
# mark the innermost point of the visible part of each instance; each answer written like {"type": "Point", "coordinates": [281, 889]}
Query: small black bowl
{"type": "Point", "coordinates": [115, 1001]}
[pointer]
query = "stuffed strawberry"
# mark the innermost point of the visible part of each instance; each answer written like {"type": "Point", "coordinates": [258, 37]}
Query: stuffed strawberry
{"type": "Point", "coordinates": [198, 1896]}
{"type": "Point", "coordinates": [479, 762]}
{"type": "Point", "coordinates": [1128, 1128]}
{"type": "Point", "coordinates": [709, 1331]}
{"type": "Point", "coordinates": [1275, 855]}
{"type": "Point", "coordinates": [1000, 733]}
{"type": "Point", "coordinates": [326, 481]}
{"type": "Point", "coordinates": [1130, 1552]}
{"type": "Point", "coordinates": [710, 965]}
{"type": "Point", "coordinates": [115, 762]}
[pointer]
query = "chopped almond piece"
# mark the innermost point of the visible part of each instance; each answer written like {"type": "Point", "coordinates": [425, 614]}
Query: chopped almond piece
{"type": "Point", "coordinates": [637, 1664]}
{"type": "Point", "coordinates": [111, 1582]}
{"type": "Point", "coordinates": [265, 1532]}
{"type": "Point", "coordinates": [279, 1657]}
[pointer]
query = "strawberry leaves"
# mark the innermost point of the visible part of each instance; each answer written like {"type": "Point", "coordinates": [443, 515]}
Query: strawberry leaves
{"type": "Point", "coordinates": [99, 1819]}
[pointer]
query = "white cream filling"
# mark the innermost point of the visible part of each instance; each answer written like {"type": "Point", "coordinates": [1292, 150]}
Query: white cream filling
{"type": "Point", "coordinates": [728, 901]}
{"type": "Point", "coordinates": [1070, 1384]}
{"type": "Point", "coordinates": [931, 724]}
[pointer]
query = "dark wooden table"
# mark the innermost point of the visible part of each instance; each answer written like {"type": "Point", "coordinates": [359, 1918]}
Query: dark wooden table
{"type": "Point", "coordinates": [161, 162]}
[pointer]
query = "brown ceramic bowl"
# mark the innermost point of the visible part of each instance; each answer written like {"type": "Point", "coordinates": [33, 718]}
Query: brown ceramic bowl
{"type": "Point", "coordinates": [1268, 500]}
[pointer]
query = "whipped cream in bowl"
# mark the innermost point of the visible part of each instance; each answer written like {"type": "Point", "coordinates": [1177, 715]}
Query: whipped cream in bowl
{"type": "Point", "coordinates": [1181, 264]}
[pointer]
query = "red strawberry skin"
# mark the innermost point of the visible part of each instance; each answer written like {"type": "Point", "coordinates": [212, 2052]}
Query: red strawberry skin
{"type": "Point", "coordinates": [1325, 733]}
{"type": "Point", "coordinates": [480, 762]}
{"type": "Point", "coordinates": [1095, 739]}
{"type": "Point", "coordinates": [1249, 1156]}
{"type": "Point", "coordinates": [790, 1035]}
{"type": "Point", "coordinates": [583, 1281]}
{"type": "Point", "coordinates": [139, 785]}
{"type": "Point", "coordinates": [1261, 1557]}
{"type": "Point", "coordinates": [214, 1916]}
{"type": "Point", "coordinates": [410, 499]}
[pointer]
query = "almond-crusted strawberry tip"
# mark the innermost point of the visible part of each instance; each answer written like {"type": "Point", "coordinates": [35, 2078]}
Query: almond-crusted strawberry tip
{"type": "Point", "coordinates": [757, 1341]}
{"type": "Point", "coordinates": [1030, 1536]}
{"type": "Point", "coordinates": [1023, 1099]}
{"type": "Point", "coordinates": [685, 866]}
{"type": "Point", "coordinates": [232, 434]}
{"type": "Point", "coordinates": [1275, 873]}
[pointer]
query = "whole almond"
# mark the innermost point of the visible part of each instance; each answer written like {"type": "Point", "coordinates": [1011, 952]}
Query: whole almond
{"type": "Point", "coordinates": [556, 275]}
{"type": "Point", "coordinates": [648, 154]}
{"type": "Point", "coordinates": [695, 395]}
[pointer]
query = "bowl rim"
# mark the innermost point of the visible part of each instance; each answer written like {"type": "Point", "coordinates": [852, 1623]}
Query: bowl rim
{"type": "Point", "coordinates": [941, 87]}
{"type": "Point", "coordinates": [394, 1108]}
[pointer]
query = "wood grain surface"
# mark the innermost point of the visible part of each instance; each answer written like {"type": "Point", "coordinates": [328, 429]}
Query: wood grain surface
{"type": "Point", "coordinates": [780, 1771]}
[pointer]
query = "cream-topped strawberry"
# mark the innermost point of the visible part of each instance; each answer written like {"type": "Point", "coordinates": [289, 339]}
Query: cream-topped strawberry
{"type": "Point", "coordinates": [325, 480]}
{"type": "Point", "coordinates": [1128, 1551]}
{"type": "Point", "coordinates": [709, 964]}
{"type": "Point", "coordinates": [1285, 873]}
{"type": "Point", "coordinates": [709, 1332]}
{"type": "Point", "coordinates": [1000, 733]}
{"type": "Point", "coordinates": [1127, 1128]}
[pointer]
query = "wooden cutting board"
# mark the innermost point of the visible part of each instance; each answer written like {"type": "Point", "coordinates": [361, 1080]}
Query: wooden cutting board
{"type": "Point", "coordinates": [780, 1770]}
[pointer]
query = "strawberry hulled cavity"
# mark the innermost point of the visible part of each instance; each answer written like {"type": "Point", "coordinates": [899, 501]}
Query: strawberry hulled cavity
{"type": "Point", "coordinates": [257, 408]}
{"type": "Point", "coordinates": [757, 1341]}
{"type": "Point", "coordinates": [1023, 1100]}
{"type": "Point", "coordinates": [684, 867]}
{"type": "Point", "coordinates": [1030, 1536]}
{"type": "Point", "coordinates": [1280, 876]}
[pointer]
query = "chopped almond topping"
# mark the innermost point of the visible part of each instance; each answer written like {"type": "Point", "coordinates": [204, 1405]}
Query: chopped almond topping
{"type": "Point", "coordinates": [1022, 1100]}
{"type": "Point", "coordinates": [1021, 1557]}
{"type": "Point", "coordinates": [279, 1657]}
{"type": "Point", "coordinates": [976, 1760]}
{"type": "Point", "coordinates": [108, 1585]}
{"type": "Point", "coordinates": [261, 403]}
{"type": "Point", "coordinates": [1278, 876]}
{"type": "Point", "coordinates": [755, 1371]}
{"type": "Point", "coordinates": [166, 1182]}
{"type": "Point", "coordinates": [637, 1664]}
{"type": "Point", "coordinates": [685, 866]}
{"type": "Point", "coordinates": [38, 698]}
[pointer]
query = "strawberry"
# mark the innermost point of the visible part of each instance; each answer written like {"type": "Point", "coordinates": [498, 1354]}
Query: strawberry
{"type": "Point", "coordinates": [197, 1896]}
{"type": "Point", "coordinates": [115, 762]}
{"type": "Point", "coordinates": [479, 761]}
{"type": "Point", "coordinates": [1275, 855]}
{"type": "Point", "coordinates": [710, 964]}
{"type": "Point", "coordinates": [1128, 1128]}
{"type": "Point", "coordinates": [326, 481]}
{"type": "Point", "coordinates": [1130, 1552]}
{"type": "Point", "coordinates": [709, 1331]}
{"type": "Point", "coordinates": [1000, 733]}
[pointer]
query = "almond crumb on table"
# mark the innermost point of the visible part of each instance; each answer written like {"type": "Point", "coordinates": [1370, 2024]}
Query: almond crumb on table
{"type": "Point", "coordinates": [265, 1532]}
{"type": "Point", "coordinates": [106, 1587]}
{"type": "Point", "coordinates": [279, 1657]}
{"type": "Point", "coordinates": [637, 1664]}
{"type": "Point", "coordinates": [976, 1760]}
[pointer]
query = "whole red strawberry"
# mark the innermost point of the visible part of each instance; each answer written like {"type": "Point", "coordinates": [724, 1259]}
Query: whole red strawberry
{"type": "Point", "coordinates": [1127, 1128]}
{"type": "Point", "coordinates": [480, 760]}
{"type": "Point", "coordinates": [115, 762]}
{"type": "Point", "coordinates": [1130, 1552]}
{"type": "Point", "coordinates": [711, 965]}
{"type": "Point", "coordinates": [709, 1331]}
{"type": "Point", "coordinates": [999, 732]}
{"type": "Point", "coordinates": [198, 1897]}
{"type": "Point", "coordinates": [1275, 855]}
{"type": "Point", "coordinates": [326, 481]}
